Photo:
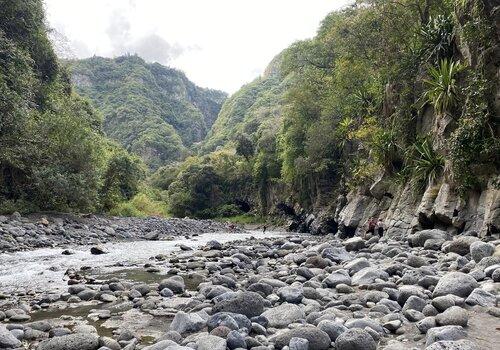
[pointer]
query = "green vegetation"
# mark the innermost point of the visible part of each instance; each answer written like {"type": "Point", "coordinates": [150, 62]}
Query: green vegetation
{"type": "Point", "coordinates": [425, 164]}
{"type": "Point", "coordinates": [442, 88]}
{"type": "Point", "coordinates": [151, 110]}
{"type": "Point", "coordinates": [53, 155]}
{"type": "Point", "coordinates": [335, 112]}
{"type": "Point", "coordinates": [403, 89]}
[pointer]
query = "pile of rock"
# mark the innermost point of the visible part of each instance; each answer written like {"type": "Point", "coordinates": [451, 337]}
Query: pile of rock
{"type": "Point", "coordinates": [301, 293]}
{"type": "Point", "coordinates": [23, 233]}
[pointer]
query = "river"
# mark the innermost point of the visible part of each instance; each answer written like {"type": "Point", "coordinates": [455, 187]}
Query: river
{"type": "Point", "coordinates": [44, 269]}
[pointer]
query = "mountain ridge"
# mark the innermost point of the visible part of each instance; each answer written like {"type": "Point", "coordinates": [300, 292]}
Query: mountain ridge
{"type": "Point", "coordinates": [152, 110]}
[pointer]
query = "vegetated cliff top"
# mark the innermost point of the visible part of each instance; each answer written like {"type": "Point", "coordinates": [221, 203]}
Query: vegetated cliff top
{"type": "Point", "coordinates": [153, 110]}
{"type": "Point", "coordinates": [252, 110]}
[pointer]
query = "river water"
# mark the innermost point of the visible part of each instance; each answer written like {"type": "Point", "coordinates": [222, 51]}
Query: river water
{"type": "Point", "coordinates": [43, 269]}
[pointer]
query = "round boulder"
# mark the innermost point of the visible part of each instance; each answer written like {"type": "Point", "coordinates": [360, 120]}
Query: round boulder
{"type": "Point", "coordinates": [456, 283]}
{"type": "Point", "coordinates": [355, 339]}
{"type": "Point", "coordinates": [318, 340]}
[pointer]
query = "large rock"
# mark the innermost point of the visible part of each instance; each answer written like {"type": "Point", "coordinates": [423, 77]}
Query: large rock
{"type": "Point", "coordinates": [332, 328]}
{"type": "Point", "coordinates": [368, 275]}
{"type": "Point", "coordinates": [354, 243]}
{"type": "Point", "coordinates": [337, 277]}
{"type": "Point", "coordinates": [453, 316]}
{"type": "Point", "coordinates": [80, 341]}
{"type": "Point", "coordinates": [444, 333]}
{"type": "Point", "coordinates": [461, 245]}
{"type": "Point", "coordinates": [481, 297]}
{"type": "Point", "coordinates": [291, 294]}
{"type": "Point", "coordinates": [318, 340]}
{"type": "Point", "coordinates": [363, 323]}
{"type": "Point", "coordinates": [281, 316]}
{"type": "Point", "coordinates": [480, 250]}
{"type": "Point", "coordinates": [249, 304]}
{"type": "Point", "coordinates": [211, 342]}
{"type": "Point", "coordinates": [98, 250]}
{"type": "Point", "coordinates": [419, 238]}
{"type": "Point", "coordinates": [187, 323]}
{"type": "Point", "coordinates": [175, 284]}
{"type": "Point", "coordinates": [7, 339]}
{"type": "Point", "coordinates": [462, 344]}
{"type": "Point", "coordinates": [456, 283]}
{"type": "Point", "coordinates": [355, 339]}
{"type": "Point", "coordinates": [356, 265]}
{"type": "Point", "coordinates": [336, 254]}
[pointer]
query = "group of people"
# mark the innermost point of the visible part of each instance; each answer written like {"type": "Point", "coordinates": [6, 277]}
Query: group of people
{"type": "Point", "coordinates": [376, 225]}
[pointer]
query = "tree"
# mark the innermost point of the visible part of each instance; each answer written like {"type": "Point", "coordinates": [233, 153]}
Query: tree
{"type": "Point", "coordinates": [244, 146]}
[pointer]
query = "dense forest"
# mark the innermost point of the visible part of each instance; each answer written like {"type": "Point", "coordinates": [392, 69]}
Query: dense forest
{"type": "Point", "coordinates": [153, 111]}
{"type": "Point", "coordinates": [53, 152]}
{"type": "Point", "coordinates": [404, 90]}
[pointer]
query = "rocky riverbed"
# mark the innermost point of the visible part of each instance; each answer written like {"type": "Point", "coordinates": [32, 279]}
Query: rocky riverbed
{"type": "Point", "coordinates": [37, 231]}
{"type": "Point", "coordinates": [275, 291]}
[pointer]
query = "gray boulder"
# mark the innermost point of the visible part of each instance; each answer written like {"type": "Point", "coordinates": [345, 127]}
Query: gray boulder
{"type": "Point", "coordinates": [481, 297]}
{"type": "Point", "coordinates": [337, 277]}
{"type": "Point", "coordinates": [175, 284]}
{"type": "Point", "coordinates": [355, 339]}
{"type": "Point", "coordinates": [336, 254]}
{"type": "Point", "coordinates": [291, 294]}
{"type": "Point", "coordinates": [187, 323]}
{"type": "Point", "coordinates": [354, 243]}
{"type": "Point", "coordinates": [480, 250]}
{"type": "Point", "coordinates": [461, 245]}
{"type": "Point", "coordinates": [356, 265]}
{"type": "Point", "coordinates": [80, 341]}
{"type": "Point", "coordinates": [7, 339]}
{"type": "Point", "coordinates": [368, 275]}
{"type": "Point", "coordinates": [453, 345]}
{"type": "Point", "coordinates": [456, 283]}
{"type": "Point", "coordinates": [236, 340]}
{"type": "Point", "coordinates": [332, 328]}
{"type": "Point", "coordinates": [453, 316]}
{"type": "Point", "coordinates": [298, 344]}
{"type": "Point", "coordinates": [444, 333]}
{"type": "Point", "coordinates": [418, 239]}
{"type": "Point", "coordinates": [284, 314]}
{"type": "Point", "coordinates": [211, 342]}
{"type": "Point", "coordinates": [318, 340]}
{"type": "Point", "coordinates": [98, 250]}
{"type": "Point", "coordinates": [246, 303]}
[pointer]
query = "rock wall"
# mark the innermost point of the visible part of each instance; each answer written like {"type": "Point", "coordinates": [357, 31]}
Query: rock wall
{"type": "Point", "coordinates": [438, 207]}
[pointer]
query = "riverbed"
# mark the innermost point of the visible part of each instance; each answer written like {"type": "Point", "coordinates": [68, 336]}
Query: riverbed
{"type": "Point", "coordinates": [44, 269]}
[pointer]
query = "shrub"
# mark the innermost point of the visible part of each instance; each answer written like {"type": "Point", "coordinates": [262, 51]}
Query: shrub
{"type": "Point", "coordinates": [437, 38]}
{"type": "Point", "coordinates": [424, 163]}
{"type": "Point", "coordinates": [442, 87]}
{"type": "Point", "coordinates": [228, 210]}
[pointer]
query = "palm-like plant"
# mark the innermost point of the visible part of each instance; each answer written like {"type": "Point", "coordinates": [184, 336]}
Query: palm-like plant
{"type": "Point", "coordinates": [425, 164]}
{"type": "Point", "coordinates": [437, 39]}
{"type": "Point", "coordinates": [442, 87]}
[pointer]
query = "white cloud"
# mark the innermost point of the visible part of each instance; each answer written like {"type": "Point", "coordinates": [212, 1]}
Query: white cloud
{"type": "Point", "coordinates": [218, 43]}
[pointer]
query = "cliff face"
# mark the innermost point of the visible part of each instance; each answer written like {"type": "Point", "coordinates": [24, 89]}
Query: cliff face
{"type": "Point", "coordinates": [439, 205]}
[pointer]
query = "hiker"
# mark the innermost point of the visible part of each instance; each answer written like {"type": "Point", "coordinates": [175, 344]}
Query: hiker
{"type": "Point", "coordinates": [380, 227]}
{"type": "Point", "coordinates": [371, 225]}
{"type": "Point", "coordinates": [264, 228]}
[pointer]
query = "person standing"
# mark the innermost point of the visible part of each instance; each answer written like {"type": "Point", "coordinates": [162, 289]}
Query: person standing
{"type": "Point", "coordinates": [372, 223]}
{"type": "Point", "coordinates": [380, 227]}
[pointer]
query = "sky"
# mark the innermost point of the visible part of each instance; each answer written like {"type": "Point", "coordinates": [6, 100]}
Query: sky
{"type": "Point", "coordinates": [220, 44]}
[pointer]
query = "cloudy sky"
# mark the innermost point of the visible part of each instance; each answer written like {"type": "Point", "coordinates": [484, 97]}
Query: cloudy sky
{"type": "Point", "coordinates": [220, 44]}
